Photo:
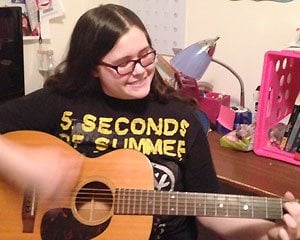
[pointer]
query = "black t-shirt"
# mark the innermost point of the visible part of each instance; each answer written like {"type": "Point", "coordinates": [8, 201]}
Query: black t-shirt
{"type": "Point", "coordinates": [169, 134]}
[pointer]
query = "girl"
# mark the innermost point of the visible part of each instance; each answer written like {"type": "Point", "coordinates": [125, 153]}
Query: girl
{"type": "Point", "coordinates": [107, 95]}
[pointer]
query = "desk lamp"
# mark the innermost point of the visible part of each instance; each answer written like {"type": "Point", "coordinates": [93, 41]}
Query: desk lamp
{"type": "Point", "coordinates": [193, 61]}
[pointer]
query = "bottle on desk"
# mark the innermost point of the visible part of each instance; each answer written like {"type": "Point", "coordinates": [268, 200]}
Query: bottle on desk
{"type": "Point", "coordinates": [50, 63]}
{"type": "Point", "coordinates": [46, 62]}
{"type": "Point", "coordinates": [255, 100]}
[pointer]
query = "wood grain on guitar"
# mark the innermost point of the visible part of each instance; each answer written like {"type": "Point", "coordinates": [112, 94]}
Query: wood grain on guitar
{"type": "Point", "coordinates": [114, 199]}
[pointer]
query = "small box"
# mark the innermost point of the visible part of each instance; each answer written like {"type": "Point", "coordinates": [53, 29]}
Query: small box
{"type": "Point", "coordinates": [280, 85]}
{"type": "Point", "coordinates": [211, 103]}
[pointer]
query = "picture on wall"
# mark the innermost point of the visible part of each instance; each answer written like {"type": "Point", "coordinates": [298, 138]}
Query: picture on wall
{"type": "Point", "coordinates": [36, 15]}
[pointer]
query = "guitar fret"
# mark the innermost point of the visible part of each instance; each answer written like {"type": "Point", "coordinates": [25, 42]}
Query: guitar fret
{"type": "Point", "coordinates": [227, 211]}
{"type": "Point", "coordinates": [171, 209]}
{"type": "Point", "coordinates": [205, 209]}
{"type": "Point", "coordinates": [139, 197]}
{"type": "Point", "coordinates": [266, 206]}
{"type": "Point", "coordinates": [195, 203]}
{"type": "Point", "coordinates": [128, 200]}
{"type": "Point", "coordinates": [182, 203]}
{"type": "Point", "coordinates": [259, 205]}
{"type": "Point", "coordinates": [165, 203]}
{"type": "Point", "coordinates": [168, 203]}
{"type": "Point", "coordinates": [274, 208]}
{"type": "Point", "coordinates": [134, 201]}
{"type": "Point", "coordinates": [131, 202]}
{"type": "Point", "coordinates": [200, 206]}
{"type": "Point", "coordinates": [144, 202]}
{"type": "Point", "coordinates": [185, 204]}
{"type": "Point", "coordinates": [147, 202]}
{"type": "Point", "coordinates": [123, 201]}
{"type": "Point", "coordinates": [120, 201]}
{"type": "Point", "coordinates": [221, 209]}
{"type": "Point", "coordinates": [176, 203]}
{"type": "Point", "coordinates": [233, 206]}
{"type": "Point", "coordinates": [161, 202]}
{"type": "Point", "coordinates": [239, 206]}
{"type": "Point", "coordinates": [153, 203]}
{"type": "Point", "coordinates": [244, 207]}
{"type": "Point", "coordinates": [172, 203]}
{"type": "Point", "coordinates": [215, 204]}
{"type": "Point", "coordinates": [210, 205]}
{"type": "Point", "coordinates": [117, 202]}
{"type": "Point", "coordinates": [252, 207]}
{"type": "Point", "coordinates": [281, 208]}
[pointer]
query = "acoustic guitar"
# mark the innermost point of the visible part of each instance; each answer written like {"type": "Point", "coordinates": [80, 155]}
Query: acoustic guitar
{"type": "Point", "coordinates": [114, 199]}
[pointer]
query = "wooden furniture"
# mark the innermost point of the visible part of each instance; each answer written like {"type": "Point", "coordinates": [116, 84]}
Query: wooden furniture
{"type": "Point", "coordinates": [11, 54]}
{"type": "Point", "coordinates": [246, 172]}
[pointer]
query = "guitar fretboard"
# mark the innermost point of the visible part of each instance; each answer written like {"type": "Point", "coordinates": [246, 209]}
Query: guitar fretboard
{"type": "Point", "coordinates": [149, 202]}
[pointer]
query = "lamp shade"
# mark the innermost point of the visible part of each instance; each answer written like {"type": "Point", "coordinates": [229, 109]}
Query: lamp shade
{"type": "Point", "coordinates": [194, 59]}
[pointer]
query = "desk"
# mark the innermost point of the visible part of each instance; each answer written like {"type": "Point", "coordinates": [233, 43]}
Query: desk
{"type": "Point", "coordinates": [251, 173]}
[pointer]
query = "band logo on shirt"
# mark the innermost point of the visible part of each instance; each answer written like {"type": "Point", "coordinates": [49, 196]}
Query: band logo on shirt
{"type": "Point", "coordinates": [164, 136]}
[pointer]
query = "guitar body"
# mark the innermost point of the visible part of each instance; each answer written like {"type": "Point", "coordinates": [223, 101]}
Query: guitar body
{"type": "Point", "coordinates": [24, 216]}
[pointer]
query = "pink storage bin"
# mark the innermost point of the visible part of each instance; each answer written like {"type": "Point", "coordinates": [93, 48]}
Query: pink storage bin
{"type": "Point", "coordinates": [278, 91]}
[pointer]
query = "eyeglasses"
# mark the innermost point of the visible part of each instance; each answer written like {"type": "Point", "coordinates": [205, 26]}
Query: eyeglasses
{"type": "Point", "coordinates": [128, 67]}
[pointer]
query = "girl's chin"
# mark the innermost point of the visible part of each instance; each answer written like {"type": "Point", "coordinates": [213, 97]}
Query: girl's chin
{"type": "Point", "coordinates": [139, 91]}
{"type": "Point", "coordinates": [139, 94]}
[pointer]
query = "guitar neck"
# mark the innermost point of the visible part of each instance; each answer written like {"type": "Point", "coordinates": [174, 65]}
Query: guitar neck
{"type": "Point", "coordinates": [149, 202]}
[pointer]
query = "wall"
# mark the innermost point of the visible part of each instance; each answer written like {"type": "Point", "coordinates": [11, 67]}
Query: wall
{"type": "Point", "coordinates": [61, 29]}
{"type": "Point", "coordinates": [247, 29]}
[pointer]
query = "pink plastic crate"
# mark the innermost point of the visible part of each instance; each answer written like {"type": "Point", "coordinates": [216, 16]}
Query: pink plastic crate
{"type": "Point", "coordinates": [279, 88]}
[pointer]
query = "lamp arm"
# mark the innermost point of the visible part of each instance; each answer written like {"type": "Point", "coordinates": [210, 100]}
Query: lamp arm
{"type": "Point", "coordinates": [242, 96]}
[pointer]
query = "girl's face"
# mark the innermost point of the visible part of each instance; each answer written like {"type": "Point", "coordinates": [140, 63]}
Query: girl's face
{"type": "Point", "coordinates": [132, 85]}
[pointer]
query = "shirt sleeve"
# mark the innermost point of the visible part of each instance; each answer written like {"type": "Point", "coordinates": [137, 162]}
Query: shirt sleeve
{"type": "Point", "coordinates": [35, 111]}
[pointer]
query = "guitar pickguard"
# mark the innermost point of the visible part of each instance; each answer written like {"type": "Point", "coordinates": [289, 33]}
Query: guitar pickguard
{"type": "Point", "coordinates": [60, 224]}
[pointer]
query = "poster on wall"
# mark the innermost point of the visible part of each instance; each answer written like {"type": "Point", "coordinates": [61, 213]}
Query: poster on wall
{"type": "Point", "coordinates": [36, 15]}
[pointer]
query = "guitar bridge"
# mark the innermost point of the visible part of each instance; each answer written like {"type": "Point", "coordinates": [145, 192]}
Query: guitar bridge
{"type": "Point", "coordinates": [29, 209]}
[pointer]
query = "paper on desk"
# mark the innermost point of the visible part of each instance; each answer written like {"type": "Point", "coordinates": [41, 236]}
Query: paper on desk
{"type": "Point", "coordinates": [226, 117]}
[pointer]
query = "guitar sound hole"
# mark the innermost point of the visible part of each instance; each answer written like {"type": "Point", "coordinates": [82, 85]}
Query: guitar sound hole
{"type": "Point", "coordinates": [93, 203]}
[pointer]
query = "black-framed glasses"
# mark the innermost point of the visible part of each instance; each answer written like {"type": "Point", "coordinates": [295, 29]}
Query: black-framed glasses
{"type": "Point", "coordinates": [128, 67]}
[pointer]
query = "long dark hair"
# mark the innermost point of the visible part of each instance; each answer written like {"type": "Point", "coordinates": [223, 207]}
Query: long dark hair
{"type": "Point", "coordinates": [94, 35]}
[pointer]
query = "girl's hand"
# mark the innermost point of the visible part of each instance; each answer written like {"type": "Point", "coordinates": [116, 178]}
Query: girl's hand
{"type": "Point", "coordinates": [52, 170]}
{"type": "Point", "coordinates": [289, 227]}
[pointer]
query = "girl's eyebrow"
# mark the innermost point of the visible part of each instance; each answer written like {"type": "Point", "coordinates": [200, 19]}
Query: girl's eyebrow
{"type": "Point", "coordinates": [128, 58]}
